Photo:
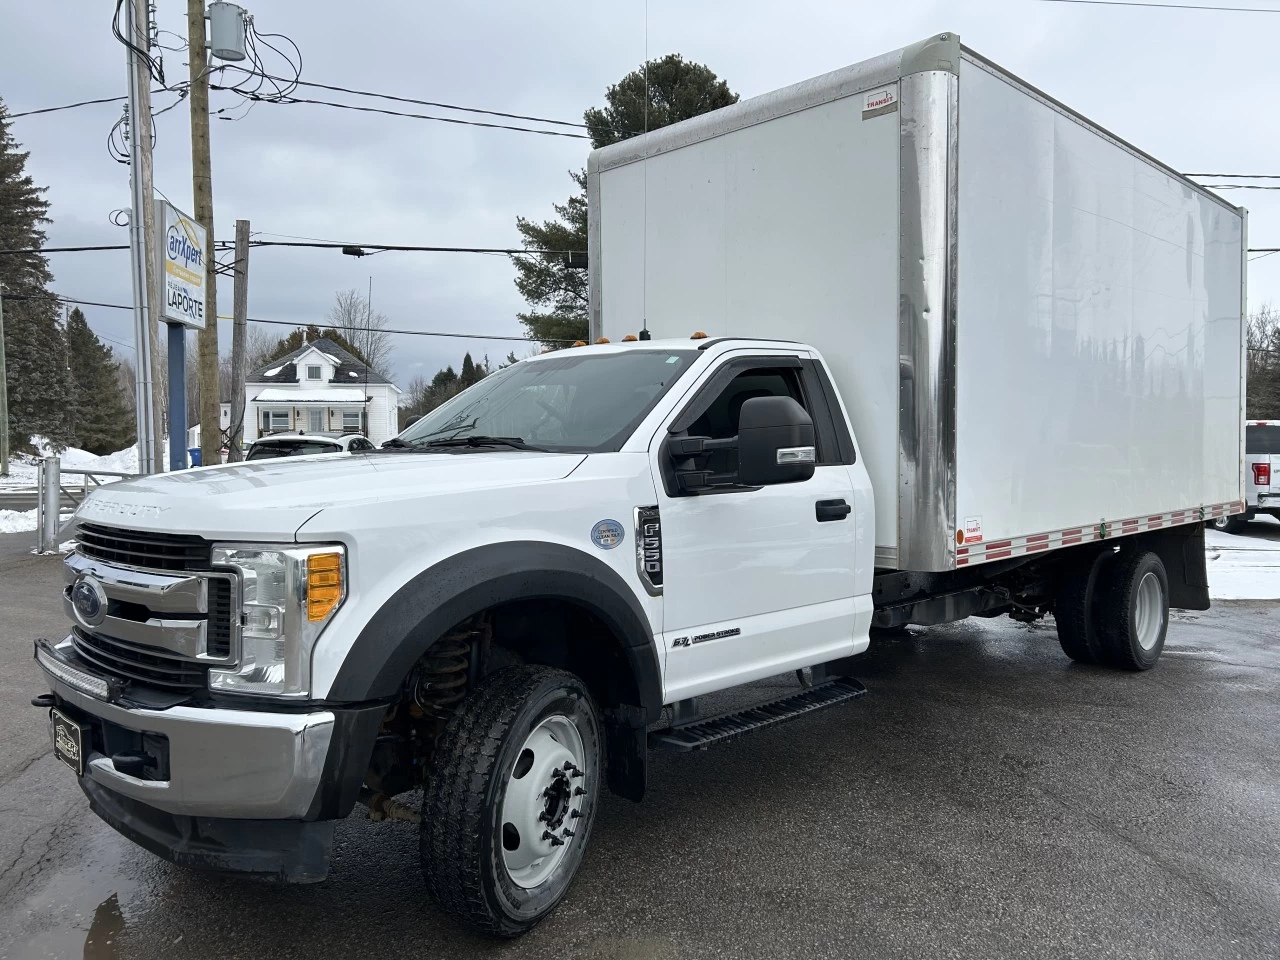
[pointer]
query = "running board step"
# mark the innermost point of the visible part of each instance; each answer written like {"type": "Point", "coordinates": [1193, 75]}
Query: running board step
{"type": "Point", "coordinates": [700, 734]}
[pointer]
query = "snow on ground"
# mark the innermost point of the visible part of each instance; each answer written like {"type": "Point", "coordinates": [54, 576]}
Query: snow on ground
{"type": "Point", "coordinates": [20, 521]}
{"type": "Point", "coordinates": [22, 470]}
{"type": "Point", "coordinates": [1243, 567]}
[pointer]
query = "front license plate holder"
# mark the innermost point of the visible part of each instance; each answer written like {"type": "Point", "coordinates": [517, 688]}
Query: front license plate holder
{"type": "Point", "coordinates": [68, 740]}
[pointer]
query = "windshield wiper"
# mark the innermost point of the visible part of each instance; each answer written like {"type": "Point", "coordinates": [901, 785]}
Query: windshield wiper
{"type": "Point", "coordinates": [480, 440]}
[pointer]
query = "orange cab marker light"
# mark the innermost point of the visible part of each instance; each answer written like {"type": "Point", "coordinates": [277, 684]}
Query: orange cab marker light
{"type": "Point", "coordinates": [603, 340]}
{"type": "Point", "coordinates": [698, 335]}
{"type": "Point", "coordinates": [580, 343]}
{"type": "Point", "coordinates": [324, 584]}
{"type": "Point", "coordinates": [630, 338]}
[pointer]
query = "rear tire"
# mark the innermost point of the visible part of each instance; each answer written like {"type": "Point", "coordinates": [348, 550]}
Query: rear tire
{"type": "Point", "coordinates": [1074, 610]}
{"type": "Point", "coordinates": [519, 760]}
{"type": "Point", "coordinates": [1232, 524]}
{"type": "Point", "coordinates": [1133, 611]}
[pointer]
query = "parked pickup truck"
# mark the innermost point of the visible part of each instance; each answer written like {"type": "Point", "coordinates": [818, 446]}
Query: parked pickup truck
{"type": "Point", "coordinates": [1261, 475]}
{"type": "Point", "coordinates": [966, 354]}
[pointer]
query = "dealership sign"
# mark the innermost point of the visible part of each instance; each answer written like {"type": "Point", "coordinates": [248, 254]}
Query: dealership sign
{"type": "Point", "coordinates": [182, 257]}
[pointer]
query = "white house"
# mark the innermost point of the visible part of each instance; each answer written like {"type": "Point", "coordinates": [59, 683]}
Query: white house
{"type": "Point", "coordinates": [320, 388]}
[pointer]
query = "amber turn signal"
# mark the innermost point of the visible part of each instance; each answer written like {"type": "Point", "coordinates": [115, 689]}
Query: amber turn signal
{"type": "Point", "coordinates": [324, 584]}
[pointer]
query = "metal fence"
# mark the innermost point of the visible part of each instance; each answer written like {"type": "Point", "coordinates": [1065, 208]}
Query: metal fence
{"type": "Point", "coordinates": [50, 526]}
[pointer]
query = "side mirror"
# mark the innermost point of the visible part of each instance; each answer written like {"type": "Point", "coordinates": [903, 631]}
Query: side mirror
{"type": "Point", "coordinates": [775, 442]}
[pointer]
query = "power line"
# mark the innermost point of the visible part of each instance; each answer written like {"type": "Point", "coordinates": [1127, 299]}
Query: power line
{"type": "Point", "coordinates": [382, 247]}
{"type": "Point", "coordinates": [111, 246]}
{"type": "Point", "coordinates": [1237, 176]}
{"type": "Point", "coordinates": [1238, 186]}
{"type": "Point", "coordinates": [423, 103]}
{"type": "Point", "coordinates": [332, 326]}
{"type": "Point", "coordinates": [1167, 6]}
{"type": "Point", "coordinates": [414, 116]}
{"type": "Point", "coordinates": [69, 106]}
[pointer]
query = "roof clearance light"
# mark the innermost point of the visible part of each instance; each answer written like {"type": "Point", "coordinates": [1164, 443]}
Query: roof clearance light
{"type": "Point", "coordinates": [580, 343]}
{"type": "Point", "coordinates": [698, 335]}
{"type": "Point", "coordinates": [603, 340]}
{"type": "Point", "coordinates": [630, 338]}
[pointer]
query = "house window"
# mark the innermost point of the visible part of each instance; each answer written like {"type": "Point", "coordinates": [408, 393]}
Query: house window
{"type": "Point", "coordinates": [350, 421]}
{"type": "Point", "coordinates": [274, 421]}
{"type": "Point", "coordinates": [315, 419]}
{"type": "Point", "coordinates": [313, 371]}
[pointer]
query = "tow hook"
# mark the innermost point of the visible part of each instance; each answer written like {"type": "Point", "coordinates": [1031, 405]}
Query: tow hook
{"type": "Point", "coordinates": [44, 700]}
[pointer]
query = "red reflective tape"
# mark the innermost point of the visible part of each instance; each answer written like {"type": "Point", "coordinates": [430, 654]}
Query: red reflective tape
{"type": "Point", "coordinates": [998, 545]}
{"type": "Point", "coordinates": [999, 554]}
{"type": "Point", "coordinates": [1038, 538]}
{"type": "Point", "coordinates": [962, 561]}
{"type": "Point", "coordinates": [962, 551]}
{"type": "Point", "coordinates": [1155, 519]}
{"type": "Point", "coordinates": [1033, 547]}
{"type": "Point", "coordinates": [1130, 523]}
{"type": "Point", "coordinates": [1067, 541]}
{"type": "Point", "coordinates": [1072, 533]}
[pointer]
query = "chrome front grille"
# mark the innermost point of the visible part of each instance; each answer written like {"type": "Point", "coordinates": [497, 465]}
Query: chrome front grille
{"type": "Point", "coordinates": [145, 550]}
{"type": "Point", "coordinates": [168, 617]}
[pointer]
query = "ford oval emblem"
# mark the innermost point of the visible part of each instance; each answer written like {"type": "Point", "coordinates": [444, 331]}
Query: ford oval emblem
{"type": "Point", "coordinates": [607, 534]}
{"type": "Point", "coordinates": [89, 601]}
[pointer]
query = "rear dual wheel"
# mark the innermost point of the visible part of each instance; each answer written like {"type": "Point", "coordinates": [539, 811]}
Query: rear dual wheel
{"type": "Point", "coordinates": [1114, 610]}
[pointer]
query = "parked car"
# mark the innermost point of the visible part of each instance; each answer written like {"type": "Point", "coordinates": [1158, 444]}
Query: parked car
{"type": "Point", "coordinates": [306, 444]}
{"type": "Point", "coordinates": [1261, 475]}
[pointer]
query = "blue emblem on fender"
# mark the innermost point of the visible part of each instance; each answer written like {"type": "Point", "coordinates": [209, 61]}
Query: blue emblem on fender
{"type": "Point", "coordinates": [607, 534]}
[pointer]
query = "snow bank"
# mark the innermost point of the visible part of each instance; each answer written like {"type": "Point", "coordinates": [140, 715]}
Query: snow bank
{"type": "Point", "coordinates": [1243, 567]}
{"type": "Point", "coordinates": [17, 521]}
{"type": "Point", "coordinates": [22, 470]}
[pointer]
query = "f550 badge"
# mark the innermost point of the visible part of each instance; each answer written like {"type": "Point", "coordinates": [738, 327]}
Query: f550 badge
{"type": "Point", "coordinates": [607, 534]}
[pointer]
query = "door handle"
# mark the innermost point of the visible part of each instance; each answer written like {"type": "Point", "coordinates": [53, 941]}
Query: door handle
{"type": "Point", "coordinates": [832, 510]}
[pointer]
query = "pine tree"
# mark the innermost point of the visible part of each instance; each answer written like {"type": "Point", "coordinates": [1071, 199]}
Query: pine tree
{"type": "Point", "coordinates": [35, 350]}
{"type": "Point", "coordinates": [677, 90]}
{"type": "Point", "coordinates": [100, 415]}
{"type": "Point", "coordinates": [469, 373]}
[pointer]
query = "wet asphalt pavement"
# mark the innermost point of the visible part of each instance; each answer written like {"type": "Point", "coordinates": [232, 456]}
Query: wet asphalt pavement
{"type": "Point", "coordinates": [986, 799]}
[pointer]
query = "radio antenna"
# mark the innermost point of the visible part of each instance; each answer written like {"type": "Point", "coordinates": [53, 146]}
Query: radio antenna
{"type": "Point", "coordinates": [644, 281]}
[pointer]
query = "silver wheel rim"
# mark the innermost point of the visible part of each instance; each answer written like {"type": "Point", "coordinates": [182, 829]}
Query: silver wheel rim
{"type": "Point", "coordinates": [543, 805]}
{"type": "Point", "coordinates": [1148, 611]}
{"type": "Point", "coordinates": [1222, 522]}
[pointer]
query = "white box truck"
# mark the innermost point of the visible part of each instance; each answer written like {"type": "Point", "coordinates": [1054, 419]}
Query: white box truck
{"type": "Point", "coordinates": [970, 355]}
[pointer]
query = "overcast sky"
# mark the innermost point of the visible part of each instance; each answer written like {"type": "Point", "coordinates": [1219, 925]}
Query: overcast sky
{"type": "Point", "coordinates": [1194, 88]}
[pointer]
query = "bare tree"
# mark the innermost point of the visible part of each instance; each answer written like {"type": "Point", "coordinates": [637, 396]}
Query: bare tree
{"type": "Point", "coordinates": [351, 313]}
{"type": "Point", "coordinates": [1263, 371]}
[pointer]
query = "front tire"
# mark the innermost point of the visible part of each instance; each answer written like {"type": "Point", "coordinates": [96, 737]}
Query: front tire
{"type": "Point", "coordinates": [510, 799]}
{"type": "Point", "coordinates": [1133, 611]}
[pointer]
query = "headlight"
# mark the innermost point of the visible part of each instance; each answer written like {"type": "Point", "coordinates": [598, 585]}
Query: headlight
{"type": "Point", "coordinates": [287, 595]}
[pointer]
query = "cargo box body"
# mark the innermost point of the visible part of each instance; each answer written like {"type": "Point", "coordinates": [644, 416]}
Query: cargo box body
{"type": "Point", "coordinates": [1036, 329]}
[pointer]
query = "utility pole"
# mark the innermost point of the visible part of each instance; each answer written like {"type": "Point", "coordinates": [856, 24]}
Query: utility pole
{"type": "Point", "coordinates": [140, 155]}
{"type": "Point", "coordinates": [142, 122]}
{"type": "Point", "coordinates": [240, 314]}
{"type": "Point", "coordinates": [202, 191]}
{"type": "Point", "coordinates": [4, 399]}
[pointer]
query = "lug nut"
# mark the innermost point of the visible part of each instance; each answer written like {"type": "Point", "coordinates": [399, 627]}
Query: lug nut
{"type": "Point", "coordinates": [575, 814]}
{"type": "Point", "coordinates": [554, 840]}
{"type": "Point", "coordinates": [579, 792]}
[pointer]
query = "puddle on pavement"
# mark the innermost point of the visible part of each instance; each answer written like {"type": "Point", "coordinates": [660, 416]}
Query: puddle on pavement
{"type": "Point", "coordinates": [82, 907]}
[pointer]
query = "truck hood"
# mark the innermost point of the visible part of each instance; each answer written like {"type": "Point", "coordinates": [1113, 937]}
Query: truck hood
{"type": "Point", "coordinates": [271, 499]}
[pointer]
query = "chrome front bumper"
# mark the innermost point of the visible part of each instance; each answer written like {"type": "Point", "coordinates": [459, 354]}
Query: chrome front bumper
{"type": "Point", "coordinates": [222, 762]}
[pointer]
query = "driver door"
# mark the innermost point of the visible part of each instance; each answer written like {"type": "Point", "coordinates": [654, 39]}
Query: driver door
{"type": "Point", "coordinates": [756, 580]}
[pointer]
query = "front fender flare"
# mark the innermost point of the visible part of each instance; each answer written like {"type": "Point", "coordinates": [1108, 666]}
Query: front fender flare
{"type": "Point", "coordinates": [445, 594]}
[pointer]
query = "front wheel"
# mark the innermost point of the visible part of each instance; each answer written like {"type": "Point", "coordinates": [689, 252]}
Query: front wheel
{"type": "Point", "coordinates": [510, 799]}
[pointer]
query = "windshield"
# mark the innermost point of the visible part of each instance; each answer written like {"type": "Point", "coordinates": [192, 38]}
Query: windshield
{"type": "Point", "coordinates": [583, 402]}
{"type": "Point", "coordinates": [271, 449]}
